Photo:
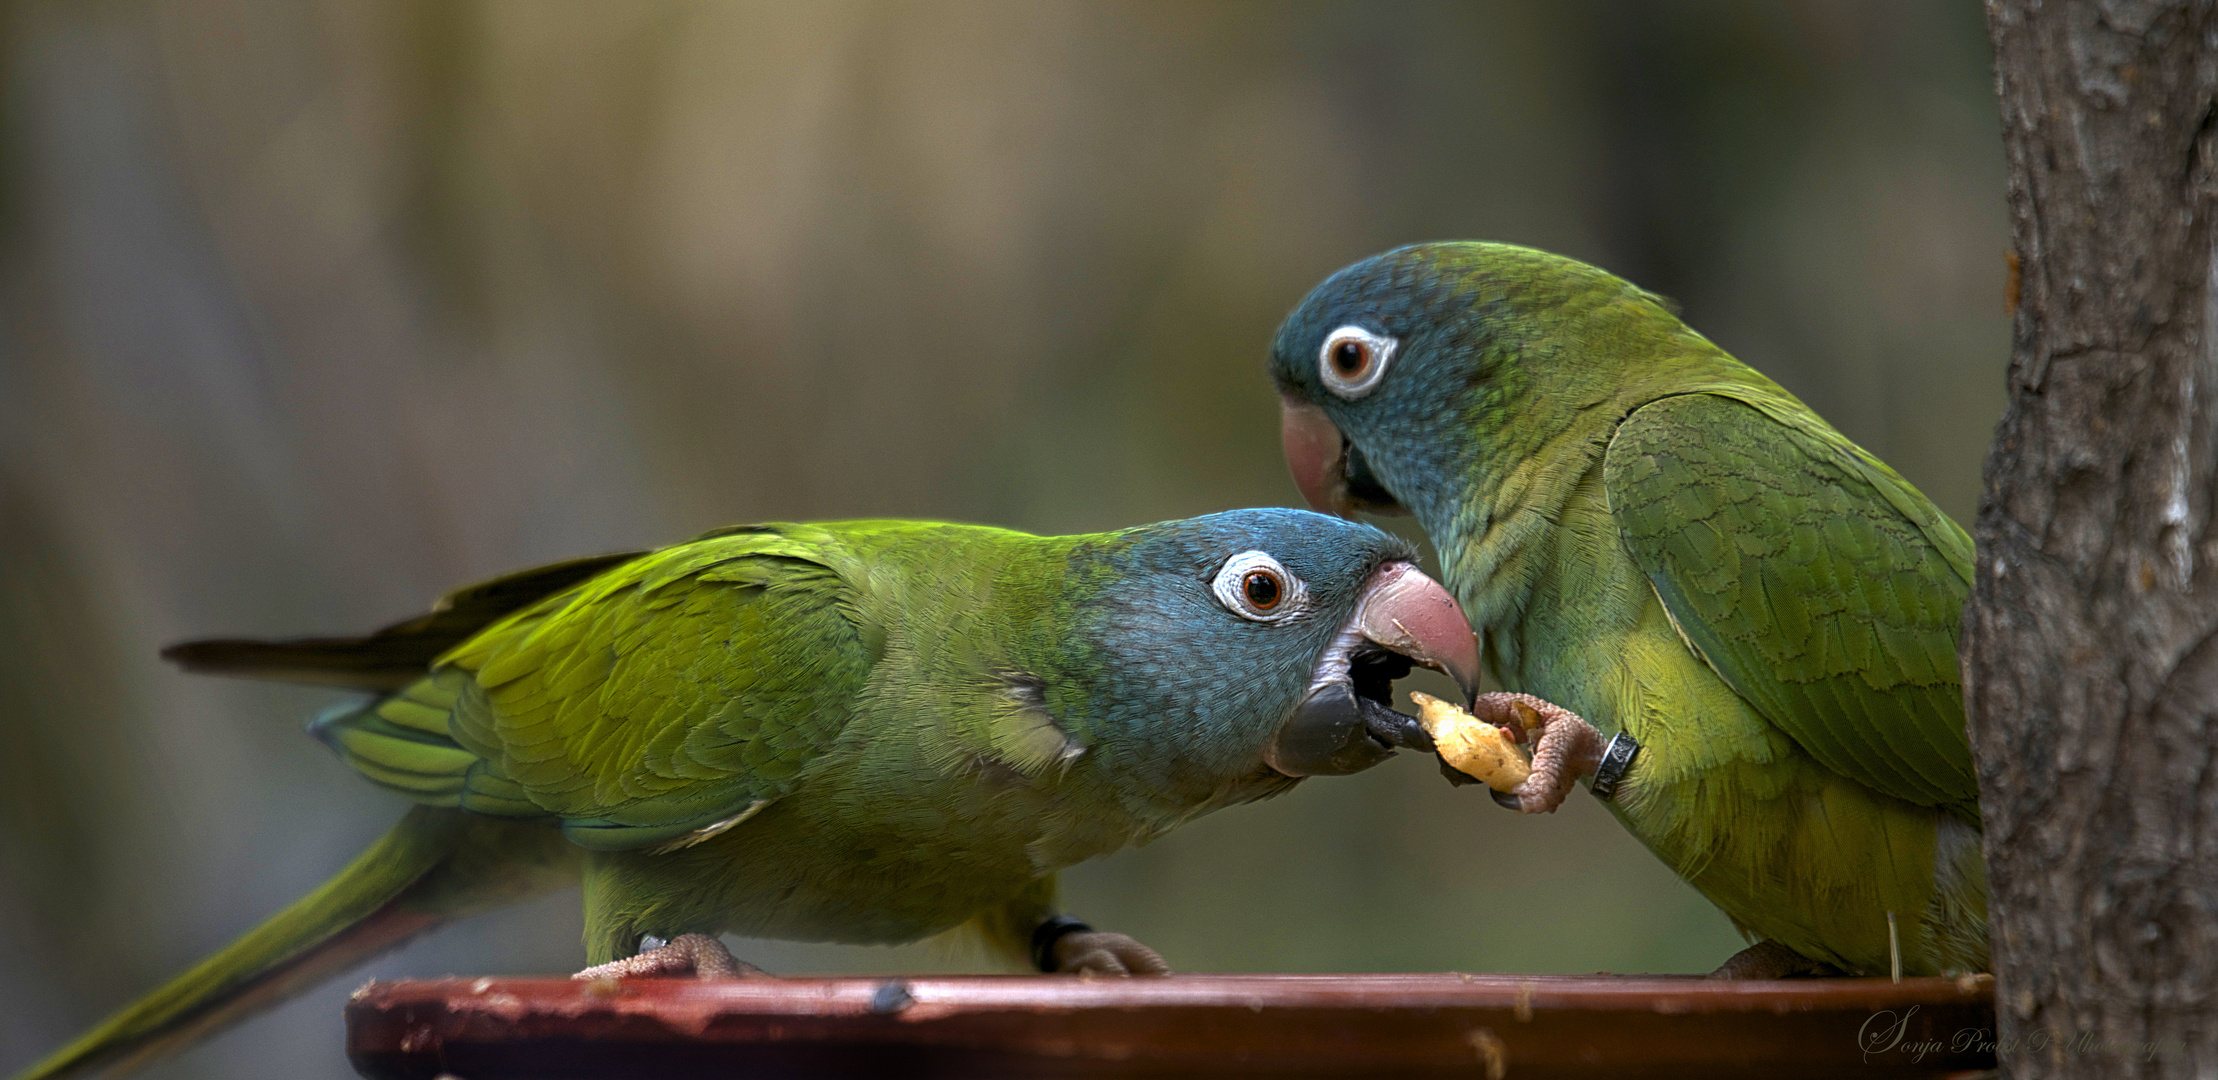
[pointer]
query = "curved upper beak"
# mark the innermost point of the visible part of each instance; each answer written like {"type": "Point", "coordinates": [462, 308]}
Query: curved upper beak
{"type": "Point", "coordinates": [1403, 611]}
{"type": "Point", "coordinates": [1346, 721]}
{"type": "Point", "coordinates": [1332, 475]}
{"type": "Point", "coordinates": [1314, 453]}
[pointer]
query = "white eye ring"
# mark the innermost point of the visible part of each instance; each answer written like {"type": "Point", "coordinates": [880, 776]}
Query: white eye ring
{"type": "Point", "coordinates": [1274, 594]}
{"type": "Point", "coordinates": [1371, 351]}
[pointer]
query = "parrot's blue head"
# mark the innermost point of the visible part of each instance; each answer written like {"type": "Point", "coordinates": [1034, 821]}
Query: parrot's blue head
{"type": "Point", "coordinates": [1400, 371]}
{"type": "Point", "coordinates": [1264, 638]}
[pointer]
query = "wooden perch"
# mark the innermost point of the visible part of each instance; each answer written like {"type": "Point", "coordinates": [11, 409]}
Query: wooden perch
{"type": "Point", "coordinates": [1531, 1027]}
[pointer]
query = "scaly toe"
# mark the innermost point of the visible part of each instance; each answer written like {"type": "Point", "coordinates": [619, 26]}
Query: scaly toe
{"type": "Point", "coordinates": [699, 956]}
{"type": "Point", "coordinates": [1771, 960]}
{"type": "Point", "coordinates": [1539, 794]}
{"type": "Point", "coordinates": [1094, 952]}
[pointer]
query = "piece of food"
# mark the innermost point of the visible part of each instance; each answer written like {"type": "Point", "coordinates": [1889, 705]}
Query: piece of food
{"type": "Point", "coordinates": [1472, 746]}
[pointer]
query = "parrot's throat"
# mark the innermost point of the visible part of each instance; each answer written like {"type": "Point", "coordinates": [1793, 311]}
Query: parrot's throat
{"type": "Point", "coordinates": [1495, 526]}
{"type": "Point", "coordinates": [1371, 673]}
{"type": "Point", "coordinates": [1368, 669]}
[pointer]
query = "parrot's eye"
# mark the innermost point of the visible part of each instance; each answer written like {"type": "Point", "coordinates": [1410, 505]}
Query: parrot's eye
{"type": "Point", "coordinates": [1353, 359]}
{"type": "Point", "coordinates": [1262, 589]}
{"type": "Point", "coordinates": [1350, 358]}
{"type": "Point", "coordinates": [1254, 586]}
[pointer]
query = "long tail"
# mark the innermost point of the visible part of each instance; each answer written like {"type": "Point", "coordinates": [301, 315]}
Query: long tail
{"type": "Point", "coordinates": [434, 865]}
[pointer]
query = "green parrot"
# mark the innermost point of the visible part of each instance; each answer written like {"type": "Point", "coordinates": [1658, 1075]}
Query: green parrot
{"type": "Point", "coordinates": [1652, 536]}
{"type": "Point", "coordinates": [864, 732]}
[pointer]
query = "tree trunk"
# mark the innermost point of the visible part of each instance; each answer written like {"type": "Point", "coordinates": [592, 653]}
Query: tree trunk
{"type": "Point", "coordinates": [2091, 640]}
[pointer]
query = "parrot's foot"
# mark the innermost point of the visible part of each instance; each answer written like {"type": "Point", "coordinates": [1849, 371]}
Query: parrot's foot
{"type": "Point", "coordinates": [1565, 749]}
{"type": "Point", "coordinates": [701, 956]}
{"type": "Point", "coordinates": [1093, 952]}
{"type": "Point", "coordinates": [1771, 960]}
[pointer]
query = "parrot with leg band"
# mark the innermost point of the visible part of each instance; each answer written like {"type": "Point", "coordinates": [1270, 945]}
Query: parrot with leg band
{"type": "Point", "coordinates": [1739, 623]}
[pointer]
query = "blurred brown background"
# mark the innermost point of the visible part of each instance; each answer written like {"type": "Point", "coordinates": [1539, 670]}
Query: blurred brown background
{"type": "Point", "coordinates": [313, 309]}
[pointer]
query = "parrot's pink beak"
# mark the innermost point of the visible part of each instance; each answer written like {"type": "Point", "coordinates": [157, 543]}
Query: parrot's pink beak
{"type": "Point", "coordinates": [1346, 722]}
{"type": "Point", "coordinates": [1331, 475]}
{"type": "Point", "coordinates": [1314, 450]}
{"type": "Point", "coordinates": [1405, 612]}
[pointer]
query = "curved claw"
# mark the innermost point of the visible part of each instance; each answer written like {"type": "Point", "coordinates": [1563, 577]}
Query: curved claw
{"type": "Point", "coordinates": [1503, 799]}
{"type": "Point", "coordinates": [1565, 747]}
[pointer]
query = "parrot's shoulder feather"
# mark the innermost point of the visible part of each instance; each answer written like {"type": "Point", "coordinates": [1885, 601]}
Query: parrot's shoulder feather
{"type": "Point", "coordinates": [670, 694]}
{"type": "Point", "coordinates": [1821, 586]}
{"type": "Point", "coordinates": [1022, 731]}
{"type": "Point", "coordinates": [399, 654]}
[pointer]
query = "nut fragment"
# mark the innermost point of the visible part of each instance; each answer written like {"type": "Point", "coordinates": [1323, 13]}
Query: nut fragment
{"type": "Point", "coordinates": [1472, 746]}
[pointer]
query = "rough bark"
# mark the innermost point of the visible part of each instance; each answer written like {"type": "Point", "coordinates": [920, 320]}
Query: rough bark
{"type": "Point", "coordinates": [2091, 641]}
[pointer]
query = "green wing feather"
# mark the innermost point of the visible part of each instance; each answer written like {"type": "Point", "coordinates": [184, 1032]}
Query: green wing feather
{"type": "Point", "coordinates": [1822, 587]}
{"type": "Point", "coordinates": [672, 693]}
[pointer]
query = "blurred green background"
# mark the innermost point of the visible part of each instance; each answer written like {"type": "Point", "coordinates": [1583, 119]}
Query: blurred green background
{"type": "Point", "coordinates": [314, 309]}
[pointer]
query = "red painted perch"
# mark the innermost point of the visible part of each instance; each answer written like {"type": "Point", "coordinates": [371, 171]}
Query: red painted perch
{"type": "Point", "coordinates": [1529, 1027]}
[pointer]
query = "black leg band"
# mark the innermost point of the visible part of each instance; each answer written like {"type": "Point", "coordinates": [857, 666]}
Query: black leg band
{"type": "Point", "coordinates": [1044, 937]}
{"type": "Point", "coordinates": [1617, 758]}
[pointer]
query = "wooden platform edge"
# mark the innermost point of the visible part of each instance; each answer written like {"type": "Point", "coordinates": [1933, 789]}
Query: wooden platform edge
{"type": "Point", "coordinates": [1497, 1026]}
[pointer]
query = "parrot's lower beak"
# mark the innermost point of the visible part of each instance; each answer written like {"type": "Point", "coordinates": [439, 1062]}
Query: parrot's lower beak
{"type": "Point", "coordinates": [1331, 473]}
{"type": "Point", "coordinates": [1346, 722]}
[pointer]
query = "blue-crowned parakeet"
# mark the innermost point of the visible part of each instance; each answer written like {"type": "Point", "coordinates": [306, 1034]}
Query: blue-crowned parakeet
{"type": "Point", "coordinates": [863, 732]}
{"type": "Point", "coordinates": [1651, 535]}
